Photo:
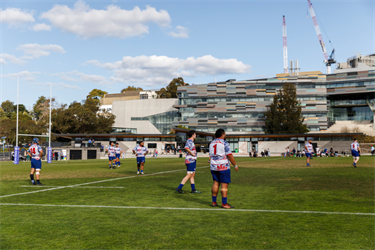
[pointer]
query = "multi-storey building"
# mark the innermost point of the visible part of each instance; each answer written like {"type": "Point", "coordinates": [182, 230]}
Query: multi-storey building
{"type": "Point", "coordinates": [238, 106]}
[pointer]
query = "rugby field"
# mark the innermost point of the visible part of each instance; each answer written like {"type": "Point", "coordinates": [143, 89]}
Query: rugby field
{"type": "Point", "coordinates": [279, 204]}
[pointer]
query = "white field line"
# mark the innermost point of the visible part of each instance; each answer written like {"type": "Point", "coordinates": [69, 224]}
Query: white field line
{"type": "Point", "coordinates": [33, 186]}
{"type": "Point", "coordinates": [94, 182]}
{"type": "Point", "coordinates": [192, 209]}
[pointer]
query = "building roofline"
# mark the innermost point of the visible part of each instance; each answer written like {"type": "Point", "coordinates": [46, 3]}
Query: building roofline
{"type": "Point", "coordinates": [114, 135]}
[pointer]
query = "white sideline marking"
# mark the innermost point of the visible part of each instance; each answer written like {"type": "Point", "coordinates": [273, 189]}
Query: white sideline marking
{"type": "Point", "coordinates": [34, 186]}
{"type": "Point", "coordinates": [193, 209]}
{"type": "Point", "coordinates": [93, 182]}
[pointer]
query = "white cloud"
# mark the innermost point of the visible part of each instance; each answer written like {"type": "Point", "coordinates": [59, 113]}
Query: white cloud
{"type": "Point", "coordinates": [156, 70]}
{"type": "Point", "coordinates": [112, 21]}
{"type": "Point", "coordinates": [181, 32]}
{"type": "Point", "coordinates": [34, 50]}
{"type": "Point", "coordinates": [75, 76]}
{"type": "Point", "coordinates": [41, 26]}
{"type": "Point", "coordinates": [63, 85]}
{"type": "Point", "coordinates": [4, 58]}
{"type": "Point", "coordinates": [14, 16]}
{"type": "Point", "coordinates": [27, 75]}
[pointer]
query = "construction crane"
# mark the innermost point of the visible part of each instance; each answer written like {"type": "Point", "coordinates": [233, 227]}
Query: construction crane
{"type": "Point", "coordinates": [285, 50]}
{"type": "Point", "coordinates": [331, 59]}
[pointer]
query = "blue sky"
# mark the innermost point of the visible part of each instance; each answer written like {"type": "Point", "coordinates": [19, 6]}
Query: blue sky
{"type": "Point", "coordinates": [80, 45]}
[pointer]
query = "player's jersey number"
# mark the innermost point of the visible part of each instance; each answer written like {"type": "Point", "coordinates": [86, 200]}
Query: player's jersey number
{"type": "Point", "coordinates": [33, 151]}
{"type": "Point", "coordinates": [217, 149]}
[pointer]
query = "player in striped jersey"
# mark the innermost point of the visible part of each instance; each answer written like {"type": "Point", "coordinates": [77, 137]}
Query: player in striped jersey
{"type": "Point", "coordinates": [118, 154]}
{"type": "Point", "coordinates": [309, 152]}
{"type": "Point", "coordinates": [111, 156]}
{"type": "Point", "coordinates": [190, 162]}
{"type": "Point", "coordinates": [356, 151]}
{"type": "Point", "coordinates": [140, 152]}
{"type": "Point", "coordinates": [36, 153]}
{"type": "Point", "coordinates": [220, 159]}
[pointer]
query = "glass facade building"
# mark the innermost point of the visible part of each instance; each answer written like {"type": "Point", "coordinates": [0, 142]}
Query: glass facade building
{"type": "Point", "coordinates": [163, 122]}
{"type": "Point", "coordinates": [238, 106]}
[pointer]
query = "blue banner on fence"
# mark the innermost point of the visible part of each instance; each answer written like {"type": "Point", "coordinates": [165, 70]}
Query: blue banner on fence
{"type": "Point", "coordinates": [49, 155]}
{"type": "Point", "coordinates": [16, 155]}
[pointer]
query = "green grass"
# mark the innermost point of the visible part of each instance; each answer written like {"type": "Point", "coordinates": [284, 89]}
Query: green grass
{"type": "Point", "coordinates": [331, 185]}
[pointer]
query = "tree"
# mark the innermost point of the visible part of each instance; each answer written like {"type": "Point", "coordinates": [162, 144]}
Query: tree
{"type": "Point", "coordinates": [2, 115]}
{"type": "Point", "coordinates": [83, 118]}
{"type": "Point", "coordinates": [284, 114]}
{"type": "Point", "coordinates": [171, 90]}
{"type": "Point", "coordinates": [131, 88]}
{"type": "Point", "coordinates": [37, 110]}
{"type": "Point", "coordinates": [96, 94]}
{"type": "Point", "coordinates": [8, 108]}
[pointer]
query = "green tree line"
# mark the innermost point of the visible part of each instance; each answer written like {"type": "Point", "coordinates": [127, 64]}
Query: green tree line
{"type": "Point", "coordinates": [78, 117]}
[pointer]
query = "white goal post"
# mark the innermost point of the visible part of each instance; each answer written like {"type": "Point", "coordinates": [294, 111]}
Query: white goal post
{"type": "Point", "coordinates": [49, 149]}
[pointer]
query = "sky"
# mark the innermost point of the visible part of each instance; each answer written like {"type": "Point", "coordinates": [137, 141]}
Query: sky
{"type": "Point", "coordinates": [76, 46]}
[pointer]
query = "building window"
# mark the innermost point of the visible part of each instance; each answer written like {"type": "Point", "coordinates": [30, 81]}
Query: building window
{"type": "Point", "coordinates": [143, 96]}
{"type": "Point", "coordinates": [163, 122]}
{"type": "Point", "coordinates": [151, 145]}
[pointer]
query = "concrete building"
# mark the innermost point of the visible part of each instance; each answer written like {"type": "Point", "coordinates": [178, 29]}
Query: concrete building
{"type": "Point", "coordinates": [148, 116]}
{"type": "Point", "coordinates": [107, 101]}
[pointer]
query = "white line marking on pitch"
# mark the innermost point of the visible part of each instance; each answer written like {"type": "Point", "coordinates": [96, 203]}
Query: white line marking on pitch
{"type": "Point", "coordinates": [185, 208]}
{"type": "Point", "coordinates": [93, 182]}
{"type": "Point", "coordinates": [33, 186]}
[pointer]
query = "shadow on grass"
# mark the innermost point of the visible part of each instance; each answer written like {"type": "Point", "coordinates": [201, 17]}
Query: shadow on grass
{"type": "Point", "coordinates": [187, 196]}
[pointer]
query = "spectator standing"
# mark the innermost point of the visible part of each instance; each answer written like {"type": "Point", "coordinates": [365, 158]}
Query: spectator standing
{"type": "Point", "coordinates": [372, 150]}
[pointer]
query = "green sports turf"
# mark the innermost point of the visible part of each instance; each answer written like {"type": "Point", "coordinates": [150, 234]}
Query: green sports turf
{"type": "Point", "coordinates": [131, 212]}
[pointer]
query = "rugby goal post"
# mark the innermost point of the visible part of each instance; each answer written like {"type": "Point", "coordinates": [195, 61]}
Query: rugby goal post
{"type": "Point", "coordinates": [17, 148]}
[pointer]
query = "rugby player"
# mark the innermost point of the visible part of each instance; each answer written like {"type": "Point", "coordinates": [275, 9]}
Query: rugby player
{"type": "Point", "coordinates": [118, 155]}
{"type": "Point", "coordinates": [356, 151]}
{"type": "Point", "coordinates": [140, 152]}
{"type": "Point", "coordinates": [111, 156]}
{"type": "Point", "coordinates": [221, 156]}
{"type": "Point", "coordinates": [36, 153]}
{"type": "Point", "coordinates": [309, 152]}
{"type": "Point", "coordinates": [190, 162]}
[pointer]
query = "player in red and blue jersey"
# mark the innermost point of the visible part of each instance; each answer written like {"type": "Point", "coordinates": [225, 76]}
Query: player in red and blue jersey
{"type": "Point", "coordinates": [36, 153]}
{"type": "Point", "coordinates": [118, 154]}
{"type": "Point", "coordinates": [309, 152]}
{"type": "Point", "coordinates": [220, 159]}
{"type": "Point", "coordinates": [191, 163]}
{"type": "Point", "coordinates": [356, 151]}
{"type": "Point", "coordinates": [111, 156]}
{"type": "Point", "coordinates": [140, 152]}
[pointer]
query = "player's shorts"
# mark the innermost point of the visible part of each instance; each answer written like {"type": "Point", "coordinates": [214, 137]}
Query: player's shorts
{"type": "Point", "coordinates": [355, 153]}
{"type": "Point", "coordinates": [309, 155]}
{"type": "Point", "coordinates": [118, 156]}
{"type": "Point", "coordinates": [37, 164]}
{"type": "Point", "coordinates": [141, 159]}
{"type": "Point", "coordinates": [111, 158]}
{"type": "Point", "coordinates": [190, 167]}
{"type": "Point", "coordinates": [221, 176]}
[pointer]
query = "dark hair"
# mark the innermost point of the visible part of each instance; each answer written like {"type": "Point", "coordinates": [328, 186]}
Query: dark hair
{"type": "Point", "coordinates": [140, 142]}
{"type": "Point", "coordinates": [191, 133]}
{"type": "Point", "coordinates": [354, 139]}
{"type": "Point", "coordinates": [219, 133]}
{"type": "Point", "coordinates": [116, 143]}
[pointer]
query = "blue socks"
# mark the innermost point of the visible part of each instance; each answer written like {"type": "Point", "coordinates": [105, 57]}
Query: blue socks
{"type": "Point", "coordinates": [192, 186]}
{"type": "Point", "coordinates": [180, 186]}
{"type": "Point", "coordinates": [224, 200]}
{"type": "Point", "coordinates": [214, 198]}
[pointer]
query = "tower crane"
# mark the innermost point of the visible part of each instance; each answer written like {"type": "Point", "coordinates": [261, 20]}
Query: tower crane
{"type": "Point", "coordinates": [285, 50]}
{"type": "Point", "coordinates": [331, 59]}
